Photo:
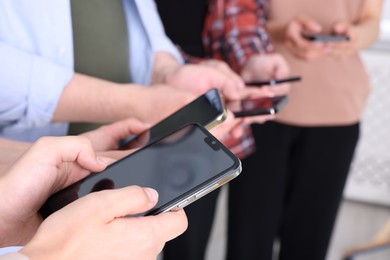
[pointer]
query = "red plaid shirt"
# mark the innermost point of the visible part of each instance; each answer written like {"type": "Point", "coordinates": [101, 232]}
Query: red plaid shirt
{"type": "Point", "coordinates": [234, 30]}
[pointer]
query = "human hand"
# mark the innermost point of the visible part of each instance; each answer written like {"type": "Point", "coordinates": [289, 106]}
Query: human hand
{"type": "Point", "coordinates": [159, 101]}
{"type": "Point", "coordinates": [231, 124]}
{"type": "Point", "coordinates": [50, 164]}
{"type": "Point", "coordinates": [267, 67]}
{"type": "Point", "coordinates": [201, 77]}
{"type": "Point", "coordinates": [105, 139]}
{"type": "Point", "coordinates": [298, 45]}
{"type": "Point", "coordinates": [95, 227]}
{"type": "Point", "coordinates": [344, 49]}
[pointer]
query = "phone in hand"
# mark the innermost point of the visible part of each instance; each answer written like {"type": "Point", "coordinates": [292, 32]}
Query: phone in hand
{"type": "Point", "coordinates": [182, 166]}
{"type": "Point", "coordinates": [260, 106]}
{"type": "Point", "coordinates": [207, 110]}
{"type": "Point", "coordinates": [325, 37]}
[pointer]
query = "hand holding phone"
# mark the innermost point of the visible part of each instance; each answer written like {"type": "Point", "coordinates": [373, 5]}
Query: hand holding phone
{"type": "Point", "coordinates": [182, 166]}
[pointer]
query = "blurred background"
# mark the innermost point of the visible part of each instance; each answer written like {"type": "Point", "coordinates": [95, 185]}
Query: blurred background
{"type": "Point", "coordinates": [365, 211]}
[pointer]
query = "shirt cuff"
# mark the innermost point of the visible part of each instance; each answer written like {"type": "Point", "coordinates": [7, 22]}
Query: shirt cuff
{"type": "Point", "coordinates": [13, 256]}
{"type": "Point", "coordinates": [47, 83]}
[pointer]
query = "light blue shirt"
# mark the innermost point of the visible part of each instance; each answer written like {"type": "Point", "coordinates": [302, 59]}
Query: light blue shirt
{"type": "Point", "coordinates": [36, 60]}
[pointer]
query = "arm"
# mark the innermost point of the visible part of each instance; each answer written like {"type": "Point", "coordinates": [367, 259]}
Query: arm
{"type": "Point", "coordinates": [88, 99]}
{"type": "Point", "coordinates": [235, 32]}
{"type": "Point", "coordinates": [10, 151]}
{"type": "Point", "coordinates": [362, 33]}
{"type": "Point", "coordinates": [53, 163]}
{"type": "Point", "coordinates": [104, 140]}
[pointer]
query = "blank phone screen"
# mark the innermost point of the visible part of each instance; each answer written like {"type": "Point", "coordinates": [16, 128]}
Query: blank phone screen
{"type": "Point", "coordinates": [176, 166]}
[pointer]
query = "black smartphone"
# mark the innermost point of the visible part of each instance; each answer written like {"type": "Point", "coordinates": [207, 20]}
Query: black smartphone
{"type": "Point", "coordinates": [207, 110]}
{"type": "Point", "coordinates": [260, 106]}
{"type": "Point", "coordinates": [273, 82]}
{"type": "Point", "coordinates": [182, 166]}
{"type": "Point", "coordinates": [325, 37]}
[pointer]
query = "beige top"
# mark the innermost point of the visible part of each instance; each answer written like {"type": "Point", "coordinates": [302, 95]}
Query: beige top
{"type": "Point", "coordinates": [332, 91]}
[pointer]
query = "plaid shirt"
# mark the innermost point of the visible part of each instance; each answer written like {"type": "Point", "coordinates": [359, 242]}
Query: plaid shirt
{"type": "Point", "coordinates": [234, 31]}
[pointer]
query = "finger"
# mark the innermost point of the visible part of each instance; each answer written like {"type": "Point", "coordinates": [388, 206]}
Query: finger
{"type": "Point", "coordinates": [282, 69]}
{"type": "Point", "coordinates": [170, 224]}
{"type": "Point", "coordinates": [67, 149]}
{"type": "Point", "coordinates": [259, 119]}
{"type": "Point", "coordinates": [255, 92]}
{"type": "Point", "coordinates": [309, 25]}
{"type": "Point", "coordinates": [122, 202]}
{"type": "Point", "coordinates": [107, 137]}
{"type": "Point", "coordinates": [281, 89]}
{"type": "Point", "coordinates": [340, 28]}
{"type": "Point", "coordinates": [227, 71]}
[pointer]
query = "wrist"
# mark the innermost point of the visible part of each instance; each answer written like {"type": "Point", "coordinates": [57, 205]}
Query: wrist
{"type": "Point", "coordinates": [164, 66]}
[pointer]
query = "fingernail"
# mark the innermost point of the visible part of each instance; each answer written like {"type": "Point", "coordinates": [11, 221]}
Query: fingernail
{"type": "Point", "coordinates": [101, 161]}
{"type": "Point", "coordinates": [152, 193]}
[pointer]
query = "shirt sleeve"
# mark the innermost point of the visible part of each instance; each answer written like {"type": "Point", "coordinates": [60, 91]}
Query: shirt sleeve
{"type": "Point", "coordinates": [235, 29]}
{"type": "Point", "coordinates": [13, 256]}
{"type": "Point", "coordinates": [147, 36]}
{"type": "Point", "coordinates": [30, 87]}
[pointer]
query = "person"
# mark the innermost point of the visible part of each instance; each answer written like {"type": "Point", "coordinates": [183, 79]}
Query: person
{"type": "Point", "coordinates": [94, 226]}
{"type": "Point", "coordinates": [184, 24]}
{"type": "Point", "coordinates": [303, 157]}
{"type": "Point", "coordinates": [63, 69]}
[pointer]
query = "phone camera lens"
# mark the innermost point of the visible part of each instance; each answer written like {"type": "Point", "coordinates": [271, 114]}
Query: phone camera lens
{"type": "Point", "coordinates": [212, 143]}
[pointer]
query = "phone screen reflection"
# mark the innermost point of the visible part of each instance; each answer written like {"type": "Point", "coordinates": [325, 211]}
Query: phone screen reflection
{"type": "Point", "coordinates": [175, 166]}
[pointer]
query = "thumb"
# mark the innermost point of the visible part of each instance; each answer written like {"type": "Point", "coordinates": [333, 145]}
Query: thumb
{"type": "Point", "coordinates": [133, 200]}
{"type": "Point", "coordinates": [309, 25]}
{"type": "Point", "coordinates": [340, 28]}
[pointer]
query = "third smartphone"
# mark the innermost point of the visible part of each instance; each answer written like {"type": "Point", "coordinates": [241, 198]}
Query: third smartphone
{"type": "Point", "coordinates": [260, 106]}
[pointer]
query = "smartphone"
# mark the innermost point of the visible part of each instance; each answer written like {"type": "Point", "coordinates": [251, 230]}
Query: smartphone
{"type": "Point", "coordinates": [260, 106]}
{"type": "Point", "coordinates": [325, 37]}
{"type": "Point", "coordinates": [207, 110]}
{"type": "Point", "coordinates": [273, 82]}
{"type": "Point", "coordinates": [182, 166]}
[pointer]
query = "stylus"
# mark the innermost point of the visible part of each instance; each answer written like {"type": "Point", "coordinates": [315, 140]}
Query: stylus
{"type": "Point", "coordinates": [272, 82]}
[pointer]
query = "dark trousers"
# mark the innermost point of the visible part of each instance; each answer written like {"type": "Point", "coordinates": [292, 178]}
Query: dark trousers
{"type": "Point", "coordinates": [290, 190]}
{"type": "Point", "coordinates": [193, 243]}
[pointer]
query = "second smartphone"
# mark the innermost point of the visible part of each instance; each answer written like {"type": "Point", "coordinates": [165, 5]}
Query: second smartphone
{"type": "Point", "coordinates": [207, 110]}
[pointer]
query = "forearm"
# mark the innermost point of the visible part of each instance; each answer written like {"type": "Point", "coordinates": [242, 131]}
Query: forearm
{"type": "Point", "coordinates": [368, 25]}
{"type": "Point", "coordinates": [367, 31]}
{"type": "Point", "coordinates": [88, 99]}
{"type": "Point", "coordinates": [164, 64]}
{"type": "Point", "coordinates": [10, 151]}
